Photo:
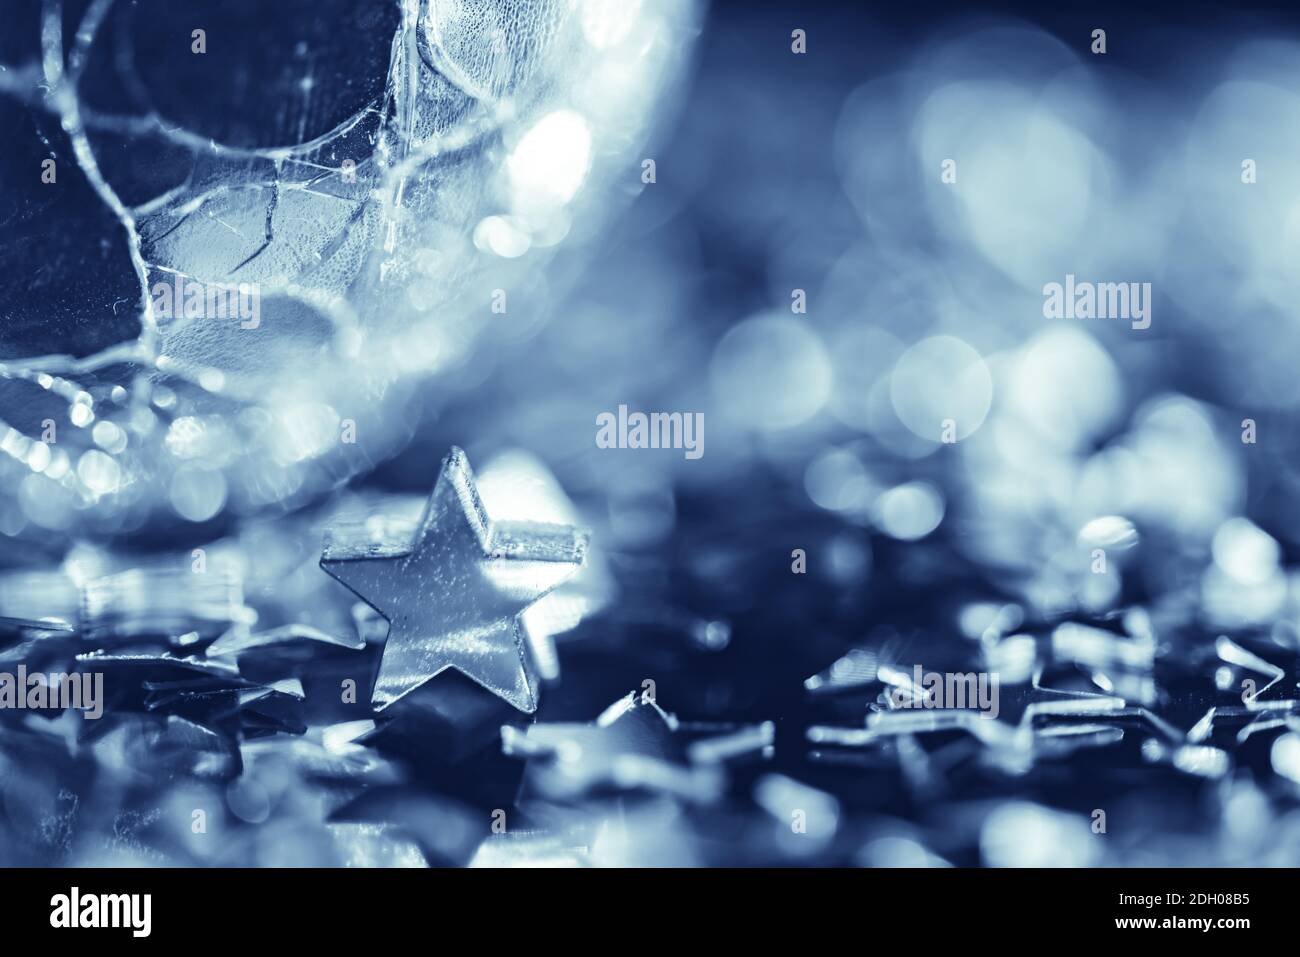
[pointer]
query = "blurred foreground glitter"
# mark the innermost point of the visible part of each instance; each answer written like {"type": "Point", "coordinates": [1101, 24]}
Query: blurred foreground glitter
{"type": "Point", "coordinates": [843, 258]}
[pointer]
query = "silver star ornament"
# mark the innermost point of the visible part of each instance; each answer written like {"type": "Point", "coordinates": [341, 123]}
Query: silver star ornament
{"type": "Point", "coordinates": [453, 592]}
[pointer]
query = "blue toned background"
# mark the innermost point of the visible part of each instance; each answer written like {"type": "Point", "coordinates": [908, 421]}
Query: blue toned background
{"type": "Point", "coordinates": [905, 464]}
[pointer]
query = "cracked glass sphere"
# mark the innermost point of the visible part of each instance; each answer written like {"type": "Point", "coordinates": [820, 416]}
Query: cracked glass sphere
{"type": "Point", "coordinates": [234, 234]}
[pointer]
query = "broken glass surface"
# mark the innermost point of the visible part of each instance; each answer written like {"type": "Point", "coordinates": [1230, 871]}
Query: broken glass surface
{"type": "Point", "coordinates": [233, 234]}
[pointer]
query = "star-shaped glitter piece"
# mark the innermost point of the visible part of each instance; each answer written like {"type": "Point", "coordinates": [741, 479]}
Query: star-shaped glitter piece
{"type": "Point", "coordinates": [453, 594]}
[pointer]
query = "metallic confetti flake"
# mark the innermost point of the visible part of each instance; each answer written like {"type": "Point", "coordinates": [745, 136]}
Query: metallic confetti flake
{"type": "Point", "coordinates": [477, 576]}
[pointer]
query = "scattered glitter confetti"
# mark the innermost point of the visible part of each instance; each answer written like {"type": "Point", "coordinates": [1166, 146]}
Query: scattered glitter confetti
{"type": "Point", "coordinates": [886, 427]}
